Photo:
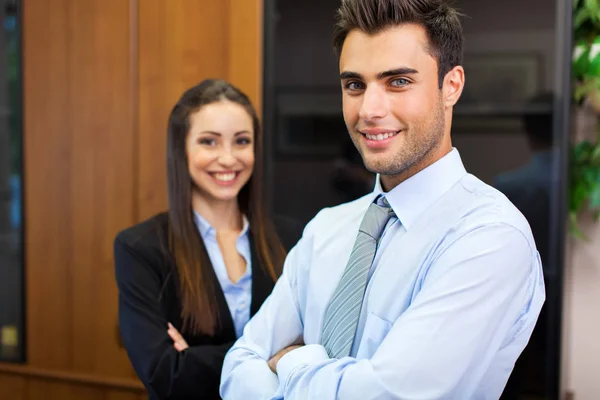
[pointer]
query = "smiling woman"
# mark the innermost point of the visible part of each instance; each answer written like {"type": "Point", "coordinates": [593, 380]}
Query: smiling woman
{"type": "Point", "coordinates": [220, 152]}
{"type": "Point", "coordinates": [190, 279]}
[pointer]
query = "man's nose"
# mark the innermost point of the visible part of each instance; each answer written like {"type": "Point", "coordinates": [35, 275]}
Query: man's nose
{"type": "Point", "coordinates": [374, 104]}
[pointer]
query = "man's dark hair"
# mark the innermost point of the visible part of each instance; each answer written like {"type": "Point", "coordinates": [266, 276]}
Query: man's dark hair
{"type": "Point", "coordinates": [440, 20]}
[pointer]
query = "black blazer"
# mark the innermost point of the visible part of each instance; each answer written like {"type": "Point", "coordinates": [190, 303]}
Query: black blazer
{"type": "Point", "coordinates": [148, 299]}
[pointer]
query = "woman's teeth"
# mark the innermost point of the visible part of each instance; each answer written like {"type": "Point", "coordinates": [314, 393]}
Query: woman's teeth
{"type": "Point", "coordinates": [225, 177]}
{"type": "Point", "coordinates": [381, 136]}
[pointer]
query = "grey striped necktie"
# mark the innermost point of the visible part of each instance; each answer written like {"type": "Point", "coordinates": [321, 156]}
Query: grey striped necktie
{"type": "Point", "coordinates": [341, 316]}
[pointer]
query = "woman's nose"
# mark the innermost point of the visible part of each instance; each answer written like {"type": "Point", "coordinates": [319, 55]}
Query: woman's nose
{"type": "Point", "coordinates": [227, 159]}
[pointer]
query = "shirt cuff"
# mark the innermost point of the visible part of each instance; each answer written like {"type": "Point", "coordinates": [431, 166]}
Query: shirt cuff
{"type": "Point", "coordinates": [302, 356]}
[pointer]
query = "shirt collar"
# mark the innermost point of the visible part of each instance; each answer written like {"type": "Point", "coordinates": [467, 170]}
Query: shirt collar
{"type": "Point", "coordinates": [206, 229]}
{"type": "Point", "coordinates": [413, 196]}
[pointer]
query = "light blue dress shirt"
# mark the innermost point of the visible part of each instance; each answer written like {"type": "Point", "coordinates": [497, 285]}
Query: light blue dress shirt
{"type": "Point", "coordinates": [454, 293]}
{"type": "Point", "coordinates": [238, 295]}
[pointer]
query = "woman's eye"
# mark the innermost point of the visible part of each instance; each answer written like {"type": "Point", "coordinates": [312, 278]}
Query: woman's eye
{"type": "Point", "coordinates": [243, 141]}
{"type": "Point", "coordinates": [207, 141]}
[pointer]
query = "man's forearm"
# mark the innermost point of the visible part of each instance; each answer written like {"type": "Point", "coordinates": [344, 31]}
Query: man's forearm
{"type": "Point", "coordinates": [275, 359]}
{"type": "Point", "coordinates": [247, 376]}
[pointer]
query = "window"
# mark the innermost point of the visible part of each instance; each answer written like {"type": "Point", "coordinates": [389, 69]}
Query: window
{"type": "Point", "coordinates": [11, 188]}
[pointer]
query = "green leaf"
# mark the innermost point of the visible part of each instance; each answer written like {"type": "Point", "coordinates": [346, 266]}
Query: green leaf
{"type": "Point", "coordinates": [574, 228]}
{"type": "Point", "coordinates": [587, 86]}
{"type": "Point", "coordinates": [573, 218]}
{"type": "Point", "coordinates": [577, 198]}
{"type": "Point", "coordinates": [595, 156]}
{"type": "Point", "coordinates": [579, 234]}
{"type": "Point", "coordinates": [582, 151]}
{"type": "Point", "coordinates": [592, 7]}
{"type": "Point", "coordinates": [581, 17]}
{"type": "Point", "coordinates": [589, 176]}
{"type": "Point", "coordinates": [580, 92]}
{"type": "Point", "coordinates": [595, 195]}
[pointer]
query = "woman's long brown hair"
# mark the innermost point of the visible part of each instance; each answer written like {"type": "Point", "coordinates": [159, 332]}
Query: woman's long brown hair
{"type": "Point", "coordinates": [186, 247]}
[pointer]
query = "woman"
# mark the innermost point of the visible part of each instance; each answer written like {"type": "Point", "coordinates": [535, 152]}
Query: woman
{"type": "Point", "coordinates": [189, 279]}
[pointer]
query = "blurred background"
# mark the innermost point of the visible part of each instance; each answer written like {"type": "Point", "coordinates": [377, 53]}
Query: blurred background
{"type": "Point", "coordinates": [85, 91]}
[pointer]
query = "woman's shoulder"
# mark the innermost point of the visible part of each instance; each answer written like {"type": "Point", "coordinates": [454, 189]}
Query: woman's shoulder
{"type": "Point", "coordinates": [148, 234]}
{"type": "Point", "coordinates": [142, 249]}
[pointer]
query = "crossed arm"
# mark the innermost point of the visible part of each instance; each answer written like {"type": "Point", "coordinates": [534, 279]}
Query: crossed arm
{"type": "Point", "coordinates": [440, 347]}
{"type": "Point", "coordinates": [167, 366]}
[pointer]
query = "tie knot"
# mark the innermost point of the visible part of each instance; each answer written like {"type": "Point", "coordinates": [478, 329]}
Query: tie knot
{"type": "Point", "coordinates": [376, 219]}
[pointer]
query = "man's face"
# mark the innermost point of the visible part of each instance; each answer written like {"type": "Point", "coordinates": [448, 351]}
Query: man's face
{"type": "Point", "coordinates": [393, 107]}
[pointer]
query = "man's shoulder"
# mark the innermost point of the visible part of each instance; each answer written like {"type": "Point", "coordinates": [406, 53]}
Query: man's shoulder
{"type": "Point", "coordinates": [479, 204]}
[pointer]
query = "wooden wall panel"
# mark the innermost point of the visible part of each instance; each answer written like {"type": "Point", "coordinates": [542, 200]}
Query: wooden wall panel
{"type": "Point", "coordinates": [79, 177]}
{"type": "Point", "coordinates": [24, 382]}
{"type": "Point", "coordinates": [102, 176]}
{"type": "Point", "coordinates": [13, 387]}
{"type": "Point", "coordinates": [246, 48]}
{"type": "Point", "coordinates": [46, 390]}
{"type": "Point", "coordinates": [23, 388]}
{"type": "Point", "coordinates": [48, 159]}
{"type": "Point", "coordinates": [180, 44]}
{"type": "Point", "coordinates": [50, 390]}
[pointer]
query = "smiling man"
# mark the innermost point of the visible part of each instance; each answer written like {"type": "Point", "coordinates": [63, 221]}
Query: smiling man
{"type": "Point", "coordinates": [427, 288]}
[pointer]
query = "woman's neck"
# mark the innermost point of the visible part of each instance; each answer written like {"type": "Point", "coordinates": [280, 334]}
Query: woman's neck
{"type": "Point", "coordinates": [221, 215]}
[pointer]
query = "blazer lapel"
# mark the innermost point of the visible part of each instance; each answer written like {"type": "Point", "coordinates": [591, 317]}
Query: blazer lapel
{"type": "Point", "coordinates": [262, 285]}
{"type": "Point", "coordinates": [227, 330]}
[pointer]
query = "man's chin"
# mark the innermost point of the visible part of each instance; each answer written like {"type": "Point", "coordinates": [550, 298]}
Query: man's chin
{"type": "Point", "coordinates": [377, 165]}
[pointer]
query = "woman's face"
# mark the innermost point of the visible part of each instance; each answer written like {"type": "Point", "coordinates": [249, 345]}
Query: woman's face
{"type": "Point", "coordinates": [220, 150]}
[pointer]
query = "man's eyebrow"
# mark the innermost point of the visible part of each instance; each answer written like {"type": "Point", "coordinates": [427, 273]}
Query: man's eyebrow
{"type": "Point", "coordinates": [350, 75]}
{"type": "Point", "coordinates": [381, 75]}
{"type": "Point", "coordinates": [397, 71]}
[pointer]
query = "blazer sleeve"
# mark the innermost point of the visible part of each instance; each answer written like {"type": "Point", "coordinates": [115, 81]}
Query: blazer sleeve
{"type": "Point", "coordinates": [165, 372]}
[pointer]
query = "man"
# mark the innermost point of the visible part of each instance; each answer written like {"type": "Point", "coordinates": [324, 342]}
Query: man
{"type": "Point", "coordinates": [427, 288]}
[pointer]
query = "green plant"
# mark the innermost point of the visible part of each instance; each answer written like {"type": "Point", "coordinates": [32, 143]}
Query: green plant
{"type": "Point", "coordinates": [584, 163]}
{"type": "Point", "coordinates": [586, 17]}
{"type": "Point", "coordinates": [584, 190]}
{"type": "Point", "coordinates": [586, 66]}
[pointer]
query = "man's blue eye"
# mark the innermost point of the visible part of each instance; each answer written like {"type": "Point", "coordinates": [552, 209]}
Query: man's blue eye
{"type": "Point", "coordinates": [353, 85]}
{"type": "Point", "coordinates": [400, 82]}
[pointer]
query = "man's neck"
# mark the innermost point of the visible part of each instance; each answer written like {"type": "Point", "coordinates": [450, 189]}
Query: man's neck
{"type": "Point", "coordinates": [389, 182]}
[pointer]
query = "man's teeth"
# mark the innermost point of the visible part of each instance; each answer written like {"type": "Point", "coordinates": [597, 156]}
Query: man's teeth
{"type": "Point", "coordinates": [381, 136]}
{"type": "Point", "coordinates": [225, 177]}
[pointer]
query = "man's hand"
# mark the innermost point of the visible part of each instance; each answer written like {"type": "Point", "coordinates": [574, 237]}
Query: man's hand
{"type": "Point", "coordinates": [275, 359]}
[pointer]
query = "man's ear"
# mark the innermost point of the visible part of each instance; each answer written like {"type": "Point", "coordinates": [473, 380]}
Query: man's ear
{"type": "Point", "coordinates": [454, 82]}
